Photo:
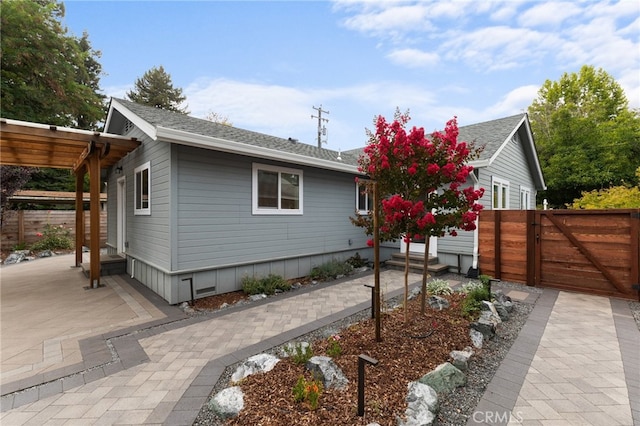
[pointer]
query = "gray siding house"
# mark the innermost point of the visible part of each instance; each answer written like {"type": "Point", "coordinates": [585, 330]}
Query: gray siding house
{"type": "Point", "coordinates": [204, 204]}
{"type": "Point", "coordinates": [508, 170]}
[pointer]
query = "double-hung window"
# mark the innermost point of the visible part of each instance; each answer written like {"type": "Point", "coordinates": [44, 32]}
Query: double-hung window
{"type": "Point", "coordinates": [364, 198]}
{"type": "Point", "coordinates": [276, 190]}
{"type": "Point", "coordinates": [500, 193]}
{"type": "Point", "coordinates": [525, 198]}
{"type": "Point", "coordinates": [142, 190]}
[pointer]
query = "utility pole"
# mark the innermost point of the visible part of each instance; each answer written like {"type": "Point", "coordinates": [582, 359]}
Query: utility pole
{"type": "Point", "coordinates": [320, 120]}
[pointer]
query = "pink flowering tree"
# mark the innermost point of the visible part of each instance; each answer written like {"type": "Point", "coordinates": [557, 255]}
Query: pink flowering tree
{"type": "Point", "coordinates": [422, 185]}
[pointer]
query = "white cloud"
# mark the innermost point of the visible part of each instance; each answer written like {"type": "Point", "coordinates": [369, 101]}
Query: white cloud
{"type": "Point", "coordinates": [548, 14]}
{"type": "Point", "coordinates": [392, 17]}
{"type": "Point", "coordinates": [413, 58]}
{"type": "Point", "coordinates": [514, 102]}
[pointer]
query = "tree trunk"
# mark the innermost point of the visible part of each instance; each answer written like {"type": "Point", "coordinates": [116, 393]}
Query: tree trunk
{"type": "Point", "coordinates": [425, 275]}
{"type": "Point", "coordinates": [406, 281]}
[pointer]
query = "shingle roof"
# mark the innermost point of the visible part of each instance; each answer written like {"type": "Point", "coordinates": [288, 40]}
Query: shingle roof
{"type": "Point", "coordinates": [163, 118]}
{"type": "Point", "coordinates": [490, 134]}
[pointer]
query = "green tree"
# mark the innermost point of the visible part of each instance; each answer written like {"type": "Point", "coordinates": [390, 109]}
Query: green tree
{"type": "Point", "coordinates": [48, 76]}
{"type": "Point", "coordinates": [155, 89]}
{"type": "Point", "coordinates": [586, 136]}
{"type": "Point", "coordinates": [616, 197]}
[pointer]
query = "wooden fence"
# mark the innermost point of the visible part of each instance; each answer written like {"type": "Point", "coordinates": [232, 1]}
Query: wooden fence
{"type": "Point", "coordinates": [594, 251]}
{"type": "Point", "coordinates": [20, 228]}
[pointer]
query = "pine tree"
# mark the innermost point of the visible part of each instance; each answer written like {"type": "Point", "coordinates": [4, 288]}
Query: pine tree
{"type": "Point", "coordinates": [155, 89]}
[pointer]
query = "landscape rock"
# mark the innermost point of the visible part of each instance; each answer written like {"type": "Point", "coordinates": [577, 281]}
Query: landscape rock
{"type": "Point", "coordinates": [256, 297]}
{"type": "Point", "coordinates": [476, 338]}
{"type": "Point", "coordinates": [438, 303]}
{"type": "Point", "coordinates": [228, 402]}
{"type": "Point", "coordinates": [45, 253]}
{"type": "Point", "coordinates": [502, 311]}
{"type": "Point", "coordinates": [256, 364]}
{"type": "Point", "coordinates": [460, 359]}
{"type": "Point", "coordinates": [490, 312]}
{"type": "Point", "coordinates": [415, 292]}
{"type": "Point", "coordinates": [485, 325]}
{"type": "Point", "coordinates": [444, 378]}
{"type": "Point", "coordinates": [17, 257]}
{"type": "Point", "coordinates": [422, 405]}
{"type": "Point", "coordinates": [326, 370]}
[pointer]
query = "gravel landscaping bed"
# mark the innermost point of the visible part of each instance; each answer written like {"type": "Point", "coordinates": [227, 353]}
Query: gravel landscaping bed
{"type": "Point", "coordinates": [455, 407]}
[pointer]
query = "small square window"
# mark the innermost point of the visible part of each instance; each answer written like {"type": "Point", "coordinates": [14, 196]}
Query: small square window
{"type": "Point", "coordinates": [142, 190]}
{"type": "Point", "coordinates": [276, 190]}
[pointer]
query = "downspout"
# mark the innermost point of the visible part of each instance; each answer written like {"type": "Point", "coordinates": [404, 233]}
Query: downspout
{"type": "Point", "coordinates": [476, 239]}
{"type": "Point", "coordinates": [133, 268]}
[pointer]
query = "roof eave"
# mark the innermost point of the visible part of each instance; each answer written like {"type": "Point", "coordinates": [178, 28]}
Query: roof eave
{"type": "Point", "coordinates": [224, 145]}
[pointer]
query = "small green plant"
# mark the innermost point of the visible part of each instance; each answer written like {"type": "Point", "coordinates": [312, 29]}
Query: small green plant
{"type": "Point", "coordinates": [299, 353]}
{"type": "Point", "coordinates": [334, 349]}
{"type": "Point", "coordinates": [486, 282]}
{"type": "Point", "coordinates": [307, 391]}
{"type": "Point", "coordinates": [330, 270]}
{"type": "Point", "coordinates": [470, 286]}
{"type": "Point", "coordinates": [267, 285]}
{"type": "Point", "coordinates": [438, 287]}
{"type": "Point", "coordinates": [356, 261]}
{"type": "Point", "coordinates": [20, 246]}
{"type": "Point", "coordinates": [472, 303]}
{"type": "Point", "coordinates": [53, 238]}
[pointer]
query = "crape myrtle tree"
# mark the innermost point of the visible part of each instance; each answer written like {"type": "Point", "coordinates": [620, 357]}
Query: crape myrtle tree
{"type": "Point", "coordinates": [420, 180]}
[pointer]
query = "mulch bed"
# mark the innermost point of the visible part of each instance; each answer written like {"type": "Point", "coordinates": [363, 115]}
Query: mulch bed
{"type": "Point", "coordinates": [407, 352]}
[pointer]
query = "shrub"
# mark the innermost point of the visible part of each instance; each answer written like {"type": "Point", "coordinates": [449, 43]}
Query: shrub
{"type": "Point", "coordinates": [54, 238]}
{"type": "Point", "coordinates": [472, 303]}
{"type": "Point", "coordinates": [356, 261]}
{"type": "Point", "coordinates": [438, 287]}
{"type": "Point", "coordinates": [308, 391]}
{"type": "Point", "coordinates": [299, 354]}
{"type": "Point", "coordinates": [330, 270]}
{"type": "Point", "coordinates": [470, 286]}
{"type": "Point", "coordinates": [334, 349]}
{"type": "Point", "coordinates": [267, 285]}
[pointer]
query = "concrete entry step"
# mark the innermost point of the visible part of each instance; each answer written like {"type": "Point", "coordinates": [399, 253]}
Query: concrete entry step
{"type": "Point", "coordinates": [110, 264]}
{"type": "Point", "coordinates": [416, 264]}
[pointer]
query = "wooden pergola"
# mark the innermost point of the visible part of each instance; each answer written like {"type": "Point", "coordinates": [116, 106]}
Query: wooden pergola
{"type": "Point", "coordinates": [39, 145]}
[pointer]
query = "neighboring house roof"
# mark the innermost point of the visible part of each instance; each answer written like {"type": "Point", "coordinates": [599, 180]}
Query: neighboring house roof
{"type": "Point", "coordinates": [173, 127]}
{"type": "Point", "coordinates": [494, 135]}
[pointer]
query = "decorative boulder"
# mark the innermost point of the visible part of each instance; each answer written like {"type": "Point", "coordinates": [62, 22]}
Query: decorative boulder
{"type": "Point", "coordinates": [486, 324]}
{"type": "Point", "coordinates": [326, 370]}
{"type": "Point", "coordinates": [438, 303]}
{"type": "Point", "coordinates": [490, 312]}
{"type": "Point", "coordinates": [415, 292]}
{"type": "Point", "coordinates": [444, 378]}
{"type": "Point", "coordinates": [502, 311]}
{"type": "Point", "coordinates": [422, 405]}
{"type": "Point", "coordinates": [460, 359]}
{"type": "Point", "coordinates": [476, 338]}
{"type": "Point", "coordinates": [256, 364]}
{"type": "Point", "coordinates": [227, 403]}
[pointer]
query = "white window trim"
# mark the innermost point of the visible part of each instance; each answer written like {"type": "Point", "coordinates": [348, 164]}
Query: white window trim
{"type": "Point", "coordinates": [275, 211]}
{"type": "Point", "coordinates": [367, 200]}
{"type": "Point", "coordinates": [502, 183]}
{"type": "Point", "coordinates": [146, 211]}
{"type": "Point", "coordinates": [526, 190]}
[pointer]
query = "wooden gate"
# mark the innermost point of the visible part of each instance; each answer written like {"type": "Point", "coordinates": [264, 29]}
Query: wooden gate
{"type": "Point", "coordinates": [594, 251]}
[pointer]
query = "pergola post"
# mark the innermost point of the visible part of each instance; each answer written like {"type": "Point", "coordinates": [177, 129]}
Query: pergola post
{"type": "Point", "coordinates": [79, 214]}
{"type": "Point", "coordinates": [94, 207]}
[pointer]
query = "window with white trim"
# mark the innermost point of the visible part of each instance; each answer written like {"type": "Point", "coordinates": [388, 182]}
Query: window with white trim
{"type": "Point", "coordinates": [500, 193]}
{"type": "Point", "coordinates": [525, 198]}
{"type": "Point", "coordinates": [276, 190]}
{"type": "Point", "coordinates": [364, 198]}
{"type": "Point", "coordinates": [142, 190]}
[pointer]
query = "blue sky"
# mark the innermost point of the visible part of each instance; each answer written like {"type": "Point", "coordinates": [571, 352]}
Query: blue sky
{"type": "Point", "coordinates": [264, 64]}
